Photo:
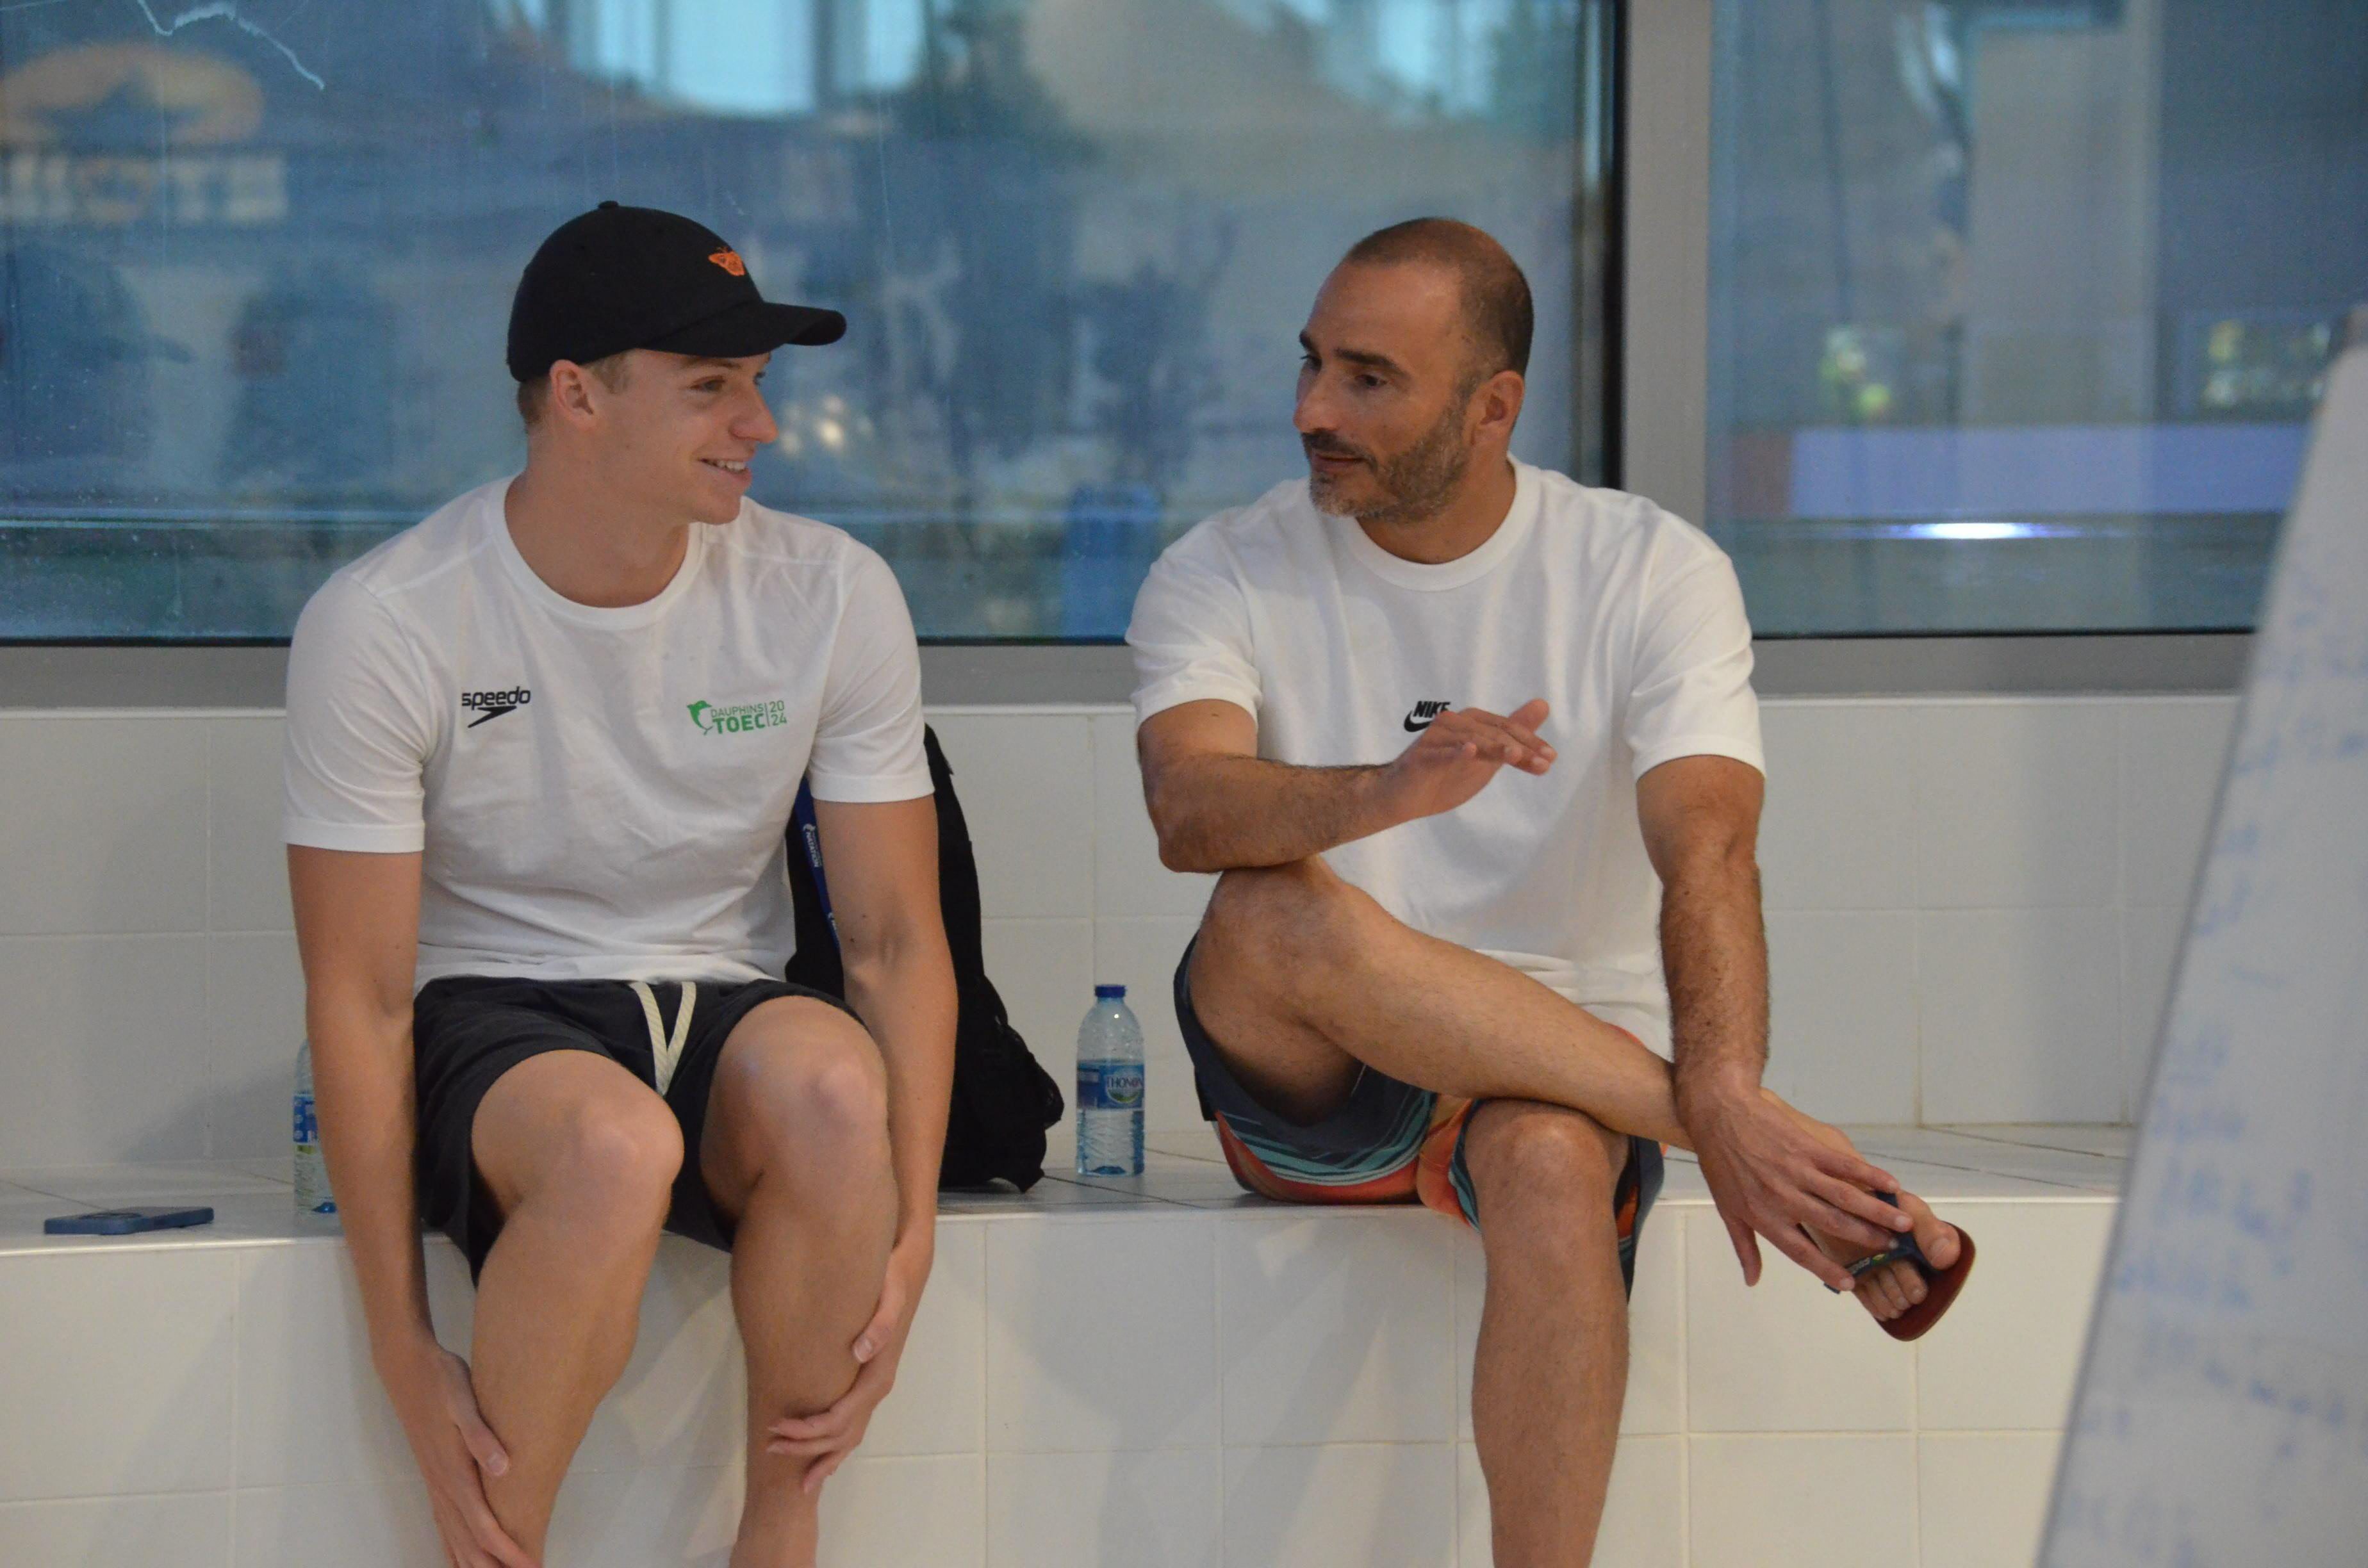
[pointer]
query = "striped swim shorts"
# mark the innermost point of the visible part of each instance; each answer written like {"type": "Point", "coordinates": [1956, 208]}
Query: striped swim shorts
{"type": "Point", "coordinates": [1387, 1142]}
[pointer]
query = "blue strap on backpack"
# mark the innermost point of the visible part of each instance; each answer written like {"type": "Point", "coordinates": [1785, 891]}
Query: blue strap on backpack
{"type": "Point", "coordinates": [802, 823]}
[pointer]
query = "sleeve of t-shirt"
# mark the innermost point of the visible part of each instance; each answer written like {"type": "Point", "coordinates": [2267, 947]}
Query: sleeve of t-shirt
{"type": "Point", "coordinates": [1690, 694]}
{"type": "Point", "coordinates": [1190, 634]}
{"type": "Point", "coordinates": [868, 740]}
{"type": "Point", "coordinates": [360, 726]}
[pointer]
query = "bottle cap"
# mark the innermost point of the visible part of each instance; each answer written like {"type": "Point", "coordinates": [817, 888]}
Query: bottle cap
{"type": "Point", "coordinates": [1109, 992]}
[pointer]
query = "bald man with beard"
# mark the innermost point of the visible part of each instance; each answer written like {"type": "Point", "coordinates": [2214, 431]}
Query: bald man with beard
{"type": "Point", "coordinates": [1475, 752]}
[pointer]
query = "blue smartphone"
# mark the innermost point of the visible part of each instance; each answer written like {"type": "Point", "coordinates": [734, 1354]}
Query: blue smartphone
{"type": "Point", "coordinates": [124, 1222]}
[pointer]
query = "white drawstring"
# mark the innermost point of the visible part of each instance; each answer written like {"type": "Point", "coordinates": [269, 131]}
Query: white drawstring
{"type": "Point", "coordinates": [666, 1051]}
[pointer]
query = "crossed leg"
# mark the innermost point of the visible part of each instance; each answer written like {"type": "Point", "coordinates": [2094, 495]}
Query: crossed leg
{"type": "Point", "coordinates": [1303, 981]}
{"type": "Point", "coordinates": [580, 1158]}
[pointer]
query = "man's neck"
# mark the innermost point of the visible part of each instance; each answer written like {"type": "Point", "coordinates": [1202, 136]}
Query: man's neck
{"type": "Point", "coordinates": [1469, 519]}
{"type": "Point", "coordinates": [584, 545]}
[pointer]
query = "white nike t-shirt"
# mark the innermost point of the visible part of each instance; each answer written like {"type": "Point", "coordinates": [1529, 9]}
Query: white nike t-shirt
{"type": "Point", "coordinates": [598, 793]}
{"type": "Point", "coordinates": [1627, 621]}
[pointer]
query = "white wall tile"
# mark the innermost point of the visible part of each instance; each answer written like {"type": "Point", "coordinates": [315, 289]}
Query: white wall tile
{"type": "Point", "coordinates": [1982, 1497]}
{"type": "Point", "coordinates": [1336, 1327]}
{"type": "Point", "coordinates": [2020, 1014]}
{"type": "Point", "coordinates": [939, 1406]}
{"type": "Point", "coordinates": [384, 1522]}
{"type": "Point", "coordinates": [2015, 803]}
{"type": "Point", "coordinates": [1842, 1013]}
{"type": "Point", "coordinates": [2008, 1352]}
{"type": "Point", "coordinates": [247, 860]}
{"type": "Point", "coordinates": [105, 1393]}
{"type": "Point", "coordinates": [1643, 1511]}
{"type": "Point", "coordinates": [2173, 752]}
{"type": "Point", "coordinates": [1785, 1355]}
{"type": "Point", "coordinates": [1802, 1502]}
{"type": "Point", "coordinates": [657, 1517]}
{"type": "Point", "coordinates": [1044, 971]}
{"type": "Point", "coordinates": [106, 826]}
{"type": "Point", "coordinates": [310, 1408]}
{"type": "Point", "coordinates": [105, 1039]}
{"type": "Point", "coordinates": [1026, 785]}
{"type": "Point", "coordinates": [2150, 940]}
{"type": "Point", "coordinates": [1142, 956]}
{"type": "Point", "coordinates": [682, 1402]}
{"type": "Point", "coordinates": [1146, 1510]}
{"type": "Point", "coordinates": [1839, 827]}
{"type": "Point", "coordinates": [1128, 877]}
{"type": "Point", "coordinates": [255, 1022]}
{"type": "Point", "coordinates": [877, 1511]}
{"type": "Point", "coordinates": [1101, 1333]}
{"type": "Point", "coordinates": [1656, 1394]}
{"type": "Point", "coordinates": [1341, 1505]}
{"type": "Point", "coordinates": [188, 1531]}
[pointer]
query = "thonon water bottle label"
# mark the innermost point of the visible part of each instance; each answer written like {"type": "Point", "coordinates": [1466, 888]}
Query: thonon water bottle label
{"type": "Point", "coordinates": [1109, 1086]}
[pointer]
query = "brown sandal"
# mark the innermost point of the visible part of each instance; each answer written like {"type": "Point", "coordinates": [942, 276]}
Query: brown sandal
{"type": "Point", "coordinates": [1940, 1285]}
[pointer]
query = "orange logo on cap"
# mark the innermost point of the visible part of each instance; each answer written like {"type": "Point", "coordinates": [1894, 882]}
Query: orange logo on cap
{"type": "Point", "coordinates": [729, 260]}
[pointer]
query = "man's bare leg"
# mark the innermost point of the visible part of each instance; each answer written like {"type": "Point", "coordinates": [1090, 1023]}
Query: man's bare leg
{"type": "Point", "coordinates": [796, 1146]}
{"type": "Point", "coordinates": [1300, 977]}
{"type": "Point", "coordinates": [1552, 1366]}
{"type": "Point", "coordinates": [580, 1158]}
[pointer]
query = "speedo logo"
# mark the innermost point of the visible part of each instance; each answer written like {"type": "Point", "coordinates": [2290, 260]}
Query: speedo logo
{"type": "Point", "coordinates": [738, 718]}
{"type": "Point", "coordinates": [1423, 713]}
{"type": "Point", "coordinates": [494, 704]}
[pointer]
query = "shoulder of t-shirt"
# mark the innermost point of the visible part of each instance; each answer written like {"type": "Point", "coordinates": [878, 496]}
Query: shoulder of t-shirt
{"type": "Point", "coordinates": [801, 547]}
{"type": "Point", "coordinates": [1616, 524]}
{"type": "Point", "coordinates": [406, 574]}
{"type": "Point", "coordinates": [1229, 540]}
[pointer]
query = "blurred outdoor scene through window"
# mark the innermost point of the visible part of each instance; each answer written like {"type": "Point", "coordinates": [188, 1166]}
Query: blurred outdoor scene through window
{"type": "Point", "coordinates": [257, 260]}
{"type": "Point", "coordinates": [2019, 308]}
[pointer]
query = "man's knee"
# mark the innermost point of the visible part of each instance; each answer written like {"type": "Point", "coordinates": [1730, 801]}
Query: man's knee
{"type": "Point", "coordinates": [1521, 1151]}
{"type": "Point", "coordinates": [1287, 917]}
{"type": "Point", "coordinates": [808, 1084]}
{"type": "Point", "coordinates": [617, 1156]}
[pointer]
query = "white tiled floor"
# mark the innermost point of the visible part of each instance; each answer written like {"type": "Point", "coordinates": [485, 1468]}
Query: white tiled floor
{"type": "Point", "coordinates": [1272, 1387]}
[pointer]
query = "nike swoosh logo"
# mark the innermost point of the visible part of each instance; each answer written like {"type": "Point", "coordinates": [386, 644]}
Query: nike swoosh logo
{"type": "Point", "coordinates": [492, 713]}
{"type": "Point", "coordinates": [1411, 726]}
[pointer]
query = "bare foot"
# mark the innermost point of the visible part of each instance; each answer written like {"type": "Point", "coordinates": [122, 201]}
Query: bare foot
{"type": "Point", "coordinates": [1889, 1291]}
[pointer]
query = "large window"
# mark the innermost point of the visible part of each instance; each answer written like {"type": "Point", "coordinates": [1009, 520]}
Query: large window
{"type": "Point", "coordinates": [256, 261]}
{"type": "Point", "coordinates": [2019, 308]}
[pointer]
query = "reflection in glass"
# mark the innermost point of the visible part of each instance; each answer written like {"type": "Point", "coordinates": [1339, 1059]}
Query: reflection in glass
{"type": "Point", "coordinates": [261, 266]}
{"type": "Point", "coordinates": [2020, 310]}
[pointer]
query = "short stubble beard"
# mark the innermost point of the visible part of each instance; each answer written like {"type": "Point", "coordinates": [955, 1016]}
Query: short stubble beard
{"type": "Point", "coordinates": [1420, 481]}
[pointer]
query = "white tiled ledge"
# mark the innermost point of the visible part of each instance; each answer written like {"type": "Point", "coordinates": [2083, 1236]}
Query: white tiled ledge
{"type": "Point", "coordinates": [1263, 1385]}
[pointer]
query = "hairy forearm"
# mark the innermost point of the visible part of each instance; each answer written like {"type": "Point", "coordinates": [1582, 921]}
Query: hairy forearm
{"type": "Point", "coordinates": [363, 1087]}
{"type": "Point", "coordinates": [1715, 951]}
{"type": "Point", "coordinates": [1215, 813]}
{"type": "Point", "coordinates": [902, 989]}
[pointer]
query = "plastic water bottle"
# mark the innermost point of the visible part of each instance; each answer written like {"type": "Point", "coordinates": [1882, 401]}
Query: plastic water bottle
{"type": "Point", "coordinates": [1109, 1087]}
{"type": "Point", "coordinates": [312, 1195]}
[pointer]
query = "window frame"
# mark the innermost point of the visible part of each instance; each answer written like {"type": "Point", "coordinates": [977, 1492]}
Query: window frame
{"type": "Point", "coordinates": [1657, 444]}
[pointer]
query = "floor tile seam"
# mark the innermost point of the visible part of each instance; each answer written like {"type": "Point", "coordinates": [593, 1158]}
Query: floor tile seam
{"type": "Point", "coordinates": [144, 1496]}
{"type": "Point", "coordinates": [2035, 1143]}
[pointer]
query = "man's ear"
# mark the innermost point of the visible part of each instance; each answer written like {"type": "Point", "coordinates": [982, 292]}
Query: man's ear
{"type": "Point", "coordinates": [574, 393]}
{"type": "Point", "coordinates": [1499, 404]}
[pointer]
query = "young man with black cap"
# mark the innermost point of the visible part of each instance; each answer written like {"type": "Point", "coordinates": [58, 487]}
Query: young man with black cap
{"type": "Point", "coordinates": [542, 753]}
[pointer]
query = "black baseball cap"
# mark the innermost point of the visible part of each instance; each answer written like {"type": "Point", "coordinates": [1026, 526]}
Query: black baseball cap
{"type": "Point", "coordinates": [619, 278]}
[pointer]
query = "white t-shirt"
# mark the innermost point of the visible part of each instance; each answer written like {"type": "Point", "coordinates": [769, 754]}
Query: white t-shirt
{"type": "Point", "coordinates": [1628, 621]}
{"type": "Point", "coordinates": [598, 793]}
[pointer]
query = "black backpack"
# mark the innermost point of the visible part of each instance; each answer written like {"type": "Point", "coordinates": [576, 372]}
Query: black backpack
{"type": "Point", "coordinates": [1003, 1098]}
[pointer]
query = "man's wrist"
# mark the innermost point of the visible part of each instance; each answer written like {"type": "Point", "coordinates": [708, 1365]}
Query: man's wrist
{"type": "Point", "coordinates": [1706, 1086]}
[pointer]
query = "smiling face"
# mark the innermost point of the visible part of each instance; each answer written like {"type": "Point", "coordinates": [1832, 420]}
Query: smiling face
{"type": "Point", "coordinates": [675, 435]}
{"type": "Point", "coordinates": [1388, 388]}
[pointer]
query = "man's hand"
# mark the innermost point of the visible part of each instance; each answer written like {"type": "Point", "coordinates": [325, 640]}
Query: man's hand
{"type": "Point", "coordinates": [1454, 758]}
{"type": "Point", "coordinates": [828, 1438]}
{"type": "Point", "coordinates": [456, 1450]}
{"type": "Point", "coordinates": [1769, 1176]}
